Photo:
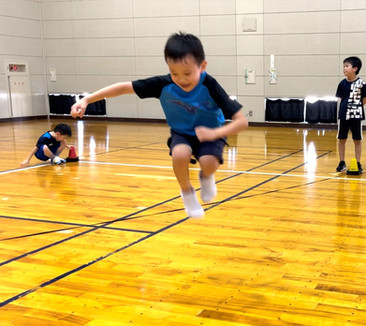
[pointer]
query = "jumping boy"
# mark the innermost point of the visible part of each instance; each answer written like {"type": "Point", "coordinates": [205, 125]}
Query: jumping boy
{"type": "Point", "coordinates": [195, 106]}
{"type": "Point", "coordinates": [50, 145]}
{"type": "Point", "coordinates": [352, 94]}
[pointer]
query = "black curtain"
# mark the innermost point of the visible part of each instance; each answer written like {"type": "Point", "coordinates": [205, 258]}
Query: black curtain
{"type": "Point", "coordinates": [321, 111]}
{"type": "Point", "coordinates": [285, 110]}
{"type": "Point", "coordinates": [61, 104]}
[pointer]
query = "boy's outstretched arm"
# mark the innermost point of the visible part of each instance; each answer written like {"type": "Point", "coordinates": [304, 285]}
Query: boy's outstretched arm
{"type": "Point", "coordinates": [239, 123]}
{"type": "Point", "coordinates": [27, 160]}
{"type": "Point", "coordinates": [63, 145]}
{"type": "Point", "coordinates": [78, 109]}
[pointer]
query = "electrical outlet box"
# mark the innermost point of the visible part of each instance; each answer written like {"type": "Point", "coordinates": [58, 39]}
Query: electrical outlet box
{"type": "Point", "coordinates": [249, 24]}
{"type": "Point", "coordinates": [250, 76]}
{"type": "Point", "coordinates": [53, 76]}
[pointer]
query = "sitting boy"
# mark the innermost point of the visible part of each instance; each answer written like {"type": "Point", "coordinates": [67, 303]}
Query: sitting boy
{"type": "Point", "coordinates": [50, 145]}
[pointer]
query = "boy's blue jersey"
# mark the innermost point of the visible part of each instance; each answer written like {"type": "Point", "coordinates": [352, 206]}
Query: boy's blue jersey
{"type": "Point", "coordinates": [206, 105]}
{"type": "Point", "coordinates": [351, 95]}
{"type": "Point", "coordinates": [47, 139]}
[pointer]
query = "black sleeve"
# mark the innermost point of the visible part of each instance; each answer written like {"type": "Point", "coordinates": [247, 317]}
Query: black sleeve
{"type": "Point", "coordinates": [363, 91]}
{"type": "Point", "coordinates": [340, 92]}
{"type": "Point", "coordinates": [150, 87]}
{"type": "Point", "coordinates": [228, 106]}
{"type": "Point", "coordinates": [41, 141]}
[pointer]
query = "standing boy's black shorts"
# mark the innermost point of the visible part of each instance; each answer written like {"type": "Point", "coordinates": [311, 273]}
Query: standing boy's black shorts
{"type": "Point", "coordinates": [199, 149]}
{"type": "Point", "coordinates": [344, 126]}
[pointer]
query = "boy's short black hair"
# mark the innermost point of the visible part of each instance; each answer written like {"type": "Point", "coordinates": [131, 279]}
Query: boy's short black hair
{"type": "Point", "coordinates": [355, 62]}
{"type": "Point", "coordinates": [63, 129]}
{"type": "Point", "coordinates": [181, 45]}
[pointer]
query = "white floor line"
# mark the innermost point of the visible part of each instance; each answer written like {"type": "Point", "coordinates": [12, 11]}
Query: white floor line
{"type": "Point", "coordinates": [23, 169]}
{"type": "Point", "coordinates": [149, 176]}
{"type": "Point", "coordinates": [307, 176]}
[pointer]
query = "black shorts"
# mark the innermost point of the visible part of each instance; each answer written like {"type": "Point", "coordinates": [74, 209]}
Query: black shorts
{"type": "Point", "coordinates": [344, 126]}
{"type": "Point", "coordinates": [214, 148]}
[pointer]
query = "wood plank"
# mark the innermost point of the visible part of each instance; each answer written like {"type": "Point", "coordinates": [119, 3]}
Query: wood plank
{"type": "Point", "coordinates": [106, 241]}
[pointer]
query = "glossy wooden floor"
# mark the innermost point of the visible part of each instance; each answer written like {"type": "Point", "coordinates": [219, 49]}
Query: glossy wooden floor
{"type": "Point", "coordinates": [106, 241]}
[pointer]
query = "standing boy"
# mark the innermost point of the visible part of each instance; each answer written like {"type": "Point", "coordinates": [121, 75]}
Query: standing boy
{"type": "Point", "coordinates": [50, 145]}
{"type": "Point", "coordinates": [352, 94]}
{"type": "Point", "coordinates": [195, 106]}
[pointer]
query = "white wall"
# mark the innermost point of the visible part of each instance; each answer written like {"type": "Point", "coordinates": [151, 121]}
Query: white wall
{"type": "Point", "coordinates": [20, 41]}
{"type": "Point", "coordinates": [93, 43]}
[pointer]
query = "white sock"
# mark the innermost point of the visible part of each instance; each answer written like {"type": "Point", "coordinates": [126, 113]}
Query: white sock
{"type": "Point", "coordinates": [208, 187]}
{"type": "Point", "coordinates": [191, 204]}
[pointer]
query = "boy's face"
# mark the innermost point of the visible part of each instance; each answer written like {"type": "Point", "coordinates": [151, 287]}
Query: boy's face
{"type": "Point", "coordinates": [186, 73]}
{"type": "Point", "coordinates": [60, 137]}
{"type": "Point", "coordinates": [349, 71]}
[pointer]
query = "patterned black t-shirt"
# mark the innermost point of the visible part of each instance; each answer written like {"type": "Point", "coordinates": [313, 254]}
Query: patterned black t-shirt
{"type": "Point", "coordinates": [351, 95]}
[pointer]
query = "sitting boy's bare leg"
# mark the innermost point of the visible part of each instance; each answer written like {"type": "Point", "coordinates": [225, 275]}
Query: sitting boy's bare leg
{"type": "Point", "coordinates": [54, 158]}
{"type": "Point", "coordinates": [48, 152]}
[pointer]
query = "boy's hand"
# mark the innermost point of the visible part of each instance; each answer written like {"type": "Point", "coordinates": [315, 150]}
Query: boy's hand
{"type": "Point", "coordinates": [24, 164]}
{"type": "Point", "coordinates": [75, 112]}
{"type": "Point", "coordinates": [206, 134]}
{"type": "Point", "coordinates": [78, 109]}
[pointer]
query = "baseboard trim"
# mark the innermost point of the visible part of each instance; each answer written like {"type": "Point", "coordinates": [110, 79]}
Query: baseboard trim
{"type": "Point", "coordinates": [18, 119]}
